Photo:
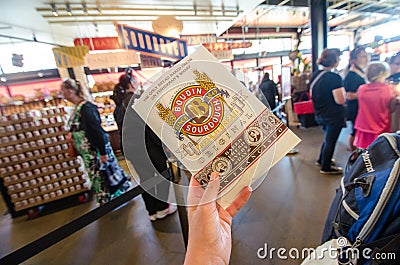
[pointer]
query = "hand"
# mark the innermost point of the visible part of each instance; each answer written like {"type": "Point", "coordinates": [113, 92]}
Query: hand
{"type": "Point", "coordinates": [68, 136]}
{"type": "Point", "coordinates": [210, 238]}
{"type": "Point", "coordinates": [104, 159]}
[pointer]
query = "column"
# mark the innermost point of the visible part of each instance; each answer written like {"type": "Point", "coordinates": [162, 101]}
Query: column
{"type": "Point", "coordinates": [319, 29]}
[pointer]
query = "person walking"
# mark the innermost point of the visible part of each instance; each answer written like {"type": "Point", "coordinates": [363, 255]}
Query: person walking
{"type": "Point", "coordinates": [328, 96]}
{"type": "Point", "coordinates": [270, 90]}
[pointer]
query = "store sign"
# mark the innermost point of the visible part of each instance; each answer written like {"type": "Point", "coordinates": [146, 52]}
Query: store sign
{"type": "Point", "coordinates": [150, 43]}
{"type": "Point", "coordinates": [111, 59]}
{"type": "Point", "coordinates": [223, 55]}
{"type": "Point", "coordinates": [104, 43]}
{"type": "Point", "coordinates": [149, 61]}
{"type": "Point", "coordinates": [70, 56]}
{"type": "Point", "coordinates": [199, 39]}
{"type": "Point", "coordinates": [221, 46]}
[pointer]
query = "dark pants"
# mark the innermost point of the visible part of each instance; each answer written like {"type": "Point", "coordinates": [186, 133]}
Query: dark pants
{"type": "Point", "coordinates": [155, 199]}
{"type": "Point", "coordinates": [332, 130]}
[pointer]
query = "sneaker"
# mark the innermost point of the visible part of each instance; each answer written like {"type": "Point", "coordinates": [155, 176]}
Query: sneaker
{"type": "Point", "coordinates": [332, 171]}
{"type": "Point", "coordinates": [293, 151]}
{"type": "Point", "coordinates": [317, 163]}
{"type": "Point", "coordinates": [153, 217]}
{"type": "Point", "coordinates": [162, 214]}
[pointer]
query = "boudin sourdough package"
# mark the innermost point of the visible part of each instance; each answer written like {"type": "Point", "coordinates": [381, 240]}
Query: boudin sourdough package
{"type": "Point", "coordinates": [210, 122]}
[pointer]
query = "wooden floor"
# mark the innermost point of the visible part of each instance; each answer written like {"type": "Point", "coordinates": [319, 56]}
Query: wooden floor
{"type": "Point", "coordinates": [288, 210]}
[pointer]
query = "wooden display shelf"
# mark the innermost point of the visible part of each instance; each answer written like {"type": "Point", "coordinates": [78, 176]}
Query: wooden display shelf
{"type": "Point", "coordinates": [51, 199]}
{"type": "Point", "coordinates": [35, 138]}
{"type": "Point", "coordinates": [40, 193]}
{"type": "Point", "coordinates": [50, 125]}
{"type": "Point", "coordinates": [51, 163]}
{"type": "Point", "coordinates": [12, 122]}
{"type": "Point", "coordinates": [33, 148]}
{"type": "Point", "coordinates": [62, 114]}
{"type": "Point", "coordinates": [27, 159]}
{"type": "Point", "coordinates": [77, 174]}
{"type": "Point", "coordinates": [55, 171]}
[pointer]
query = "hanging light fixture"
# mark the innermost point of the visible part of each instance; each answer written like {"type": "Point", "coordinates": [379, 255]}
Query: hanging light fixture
{"type": "Point", "coordinates": [54, 9]}
{"type": "Point", "coordinates": [168, 26]}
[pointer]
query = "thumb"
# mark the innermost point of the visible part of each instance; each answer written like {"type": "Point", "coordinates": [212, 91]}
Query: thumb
{"type": "Point", "coordinates": [212, 189]}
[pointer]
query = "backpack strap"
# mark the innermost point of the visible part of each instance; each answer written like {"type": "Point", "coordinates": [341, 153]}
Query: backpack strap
{"type": "Point", "coordinates": [392, 141]}
{"type": "Point", "coordinates": [316, 80]}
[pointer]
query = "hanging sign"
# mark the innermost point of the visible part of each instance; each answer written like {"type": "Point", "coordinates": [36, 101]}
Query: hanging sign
{"type": "Point", "coordinates": [226, 55]}
{"type": "Point", "coordinates": [102, 43]}
{"type": "Point", "coordinates": [111, 59]}
{"type": "Point", "coordinates": [150, 43]}
{"type": "Point", "coordinates": [70, 56]}
{"type": "Point", "coordinates": [220, 46]}
{"type": "Point", "coordinates": [199, 39]}
{"type": "Point", "coordinates": [149, 61]}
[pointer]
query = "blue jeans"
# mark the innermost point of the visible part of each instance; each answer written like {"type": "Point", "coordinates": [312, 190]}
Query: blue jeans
{"type": "Point", "coordinates": [332, 130]}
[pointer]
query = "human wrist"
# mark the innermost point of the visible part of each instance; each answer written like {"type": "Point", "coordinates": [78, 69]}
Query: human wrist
{"type": "Point", "coordinates": [197, 256]}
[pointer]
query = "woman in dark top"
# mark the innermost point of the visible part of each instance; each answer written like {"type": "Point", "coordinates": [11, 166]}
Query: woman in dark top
{"type": "Point", "coordinates": [328, 98]}
{"type": "Point", "coordinates": [353, 80]}
{"type": "Point", "coordinates": [123, 91]}
{"type": "Point", "coordinates": [92, 143]}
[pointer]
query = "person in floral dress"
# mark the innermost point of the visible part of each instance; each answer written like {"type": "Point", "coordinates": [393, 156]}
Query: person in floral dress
{"type": "Point", "coordinates": [92, 144]}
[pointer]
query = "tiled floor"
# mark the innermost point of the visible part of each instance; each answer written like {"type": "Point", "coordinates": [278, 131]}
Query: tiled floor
{"type": "Point", "coordinates": [288, 210]}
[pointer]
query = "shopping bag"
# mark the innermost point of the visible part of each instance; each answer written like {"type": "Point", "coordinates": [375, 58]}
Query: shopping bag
{"type": "Point", "coordinates": [112, 176]}
{"type": "Point", "coordinates": [304, 106]}
{"type": "Point", "coordinates": [72, 152]}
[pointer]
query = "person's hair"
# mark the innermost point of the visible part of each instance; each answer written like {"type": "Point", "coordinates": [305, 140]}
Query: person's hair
{"type": "Point", "coordinates": [377, 70]}
{"type": "Point", "coordinates": [266, 75]}
{"type": "Point", "coordinates": [329, 57]}
{"type": "Point", "coordinates": [79, 89]}
{"type": "Point", "coordinates": [125, 81]}
{"type": "Point", "coordinates": [355, 53]}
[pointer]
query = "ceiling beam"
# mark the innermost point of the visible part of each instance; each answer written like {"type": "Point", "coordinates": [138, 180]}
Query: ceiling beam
{"type": "Point", "coordinates": [254, 33]}
{"type": "Point", "coordinates": [152, 9]}
{"type": "Point", "coordinates": [133, 15]}
{"type": "Point", "coordinates": [129, 20]}
{"type": "Point", "coordinates": [234, 30]}
{"type": "Point", "coordinates": [380, 22]}
{"type": "Point", "coordinates": [296, 3]}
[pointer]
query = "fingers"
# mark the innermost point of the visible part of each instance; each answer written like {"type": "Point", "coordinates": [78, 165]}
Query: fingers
{"type": "Point", "coordinates": [211, 192]}
{"type": "Point", "coordinates": [195, 192]}
{"type": "Point", "coordinates": [241, 200]}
